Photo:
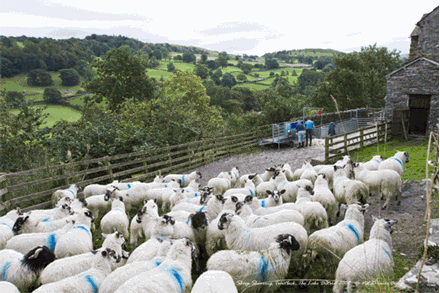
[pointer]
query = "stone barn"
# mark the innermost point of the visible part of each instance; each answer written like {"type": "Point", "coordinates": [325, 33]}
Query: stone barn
{"type": "Point", "coordinates": [412, 97]}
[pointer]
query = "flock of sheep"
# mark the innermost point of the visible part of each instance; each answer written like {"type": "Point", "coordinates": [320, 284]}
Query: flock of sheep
{"type": "Point", "coordinates": [242, 238]}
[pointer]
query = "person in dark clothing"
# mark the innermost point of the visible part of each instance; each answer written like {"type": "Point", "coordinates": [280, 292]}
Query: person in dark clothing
{"type": "Point", "coordinates": [332, 129]}
{"type": "Point", "coordinates": [300, 131]}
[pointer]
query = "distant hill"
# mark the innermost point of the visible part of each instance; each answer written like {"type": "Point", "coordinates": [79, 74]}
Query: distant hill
{"type": "Point", "coordinates": [302, 55]}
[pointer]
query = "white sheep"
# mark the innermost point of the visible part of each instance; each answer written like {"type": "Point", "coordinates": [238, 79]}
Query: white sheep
{"type": "Point", "coordinates": [212, 208]}
{"type": "Point", "coordinates": [172, 275]}
{"type": "Point", "coordinates": [254, 221]}
{"type": "Point", "coordinates": [331, 243]}
{"type": "Point", "coordinates": [373, 164]}
{"type": "Point", "coordinates": [232, 176]}
{"type": "Point", "coordinates": [96, 189]}
{"type": "Point", "coordinates": [298, 172]}
{"type": "Point", "coordinates": [116, 219]}
{"type": "Point", "coordinates": [120, 275]}
{"type": "Point", "coordinates": [369, 260]}
{"type": "Point", "coordinates": [25, 242]}
{"type": "Point", "coordinates": [248, 189]}
{"type": "Point", "coordinates": [268, 173]}
{"type": "Point", "coordinates": [246, 267]}
{"type": "Point", "coordinates": [149, 209]}
{"type": "Point", "coordinates": [291, 187]}
{"type": "Point", "coordinates": [348, 191]}
{"type": "Point", "coordinates": [274, 199]}
{"type": "Point", "coordinates": [324, 196]}
{"type": "Point", "coordinates": [240, 237]}
{"type": "Point", "coordinates": [315, 215]}
{"type": "Point", "coordinates": [184, 179]}
{"type": "Point", "coordinates": [288, 171]}
{"type": "Point", "coordinates": [73, 265]}
{"type": "Point", "coordinates": [214, 281]}
{"type": "Point", "coordinates": [147, 250]}
{"type": "Point", "coordinates": [70, 192]}
{"type": "Point", "coordinates": [6, 226]}
{"type": "Point", "coordinates": [98, 205]}
{"type": "Point", "coordinates": [23, 270]}
{"type": "Point", "coordinates": [384, 182]}
{"type": "Point", "coordinates": [309, 173]}
{"type": "Point", "coordinates": [131, 197]}
{"type": "Point", "coordinates": [262, 186]}
{"type": "Point", "coordinates": [78, 239]}
{"type": "Point", "coordinates": [219, 185]}
{"type": "Point", "coordinates": [88, 281]}
{"type": "Point", "coordinates": [26, 221]}
{"type": "Point", "coordinates": [7, 287]}
{"type": "Point", "coordinates": [396, 162]}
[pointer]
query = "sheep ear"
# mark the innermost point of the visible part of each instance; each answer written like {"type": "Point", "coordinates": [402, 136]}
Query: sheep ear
{"type": "Point", "coordinates": [282, 191]}
{"type": "Point", "coordinates": [155, 200]}
{"type": "Point", "coordinates": [94, 251]}
{"type": "Point", "coordinates": [374, 218]}
{"type": "Point", "coordinates": [234, 198]}
{"type": "Point", "coordinates": [125, 254]}
{"type": "Point", "coordinates": [36, 253]}
{"type": "Point", "coordinates": [104, 235]}
{"type": "Point", "coordinates": [104, 253]}
{"type": "Point", "coordinates": [145, 201]}
{"type": "Point", "coordinates": [248, 199]}
{"type": "Point", "coordinates": [268, 192]}
{"type": "Point", "coordinates": [121, 199]}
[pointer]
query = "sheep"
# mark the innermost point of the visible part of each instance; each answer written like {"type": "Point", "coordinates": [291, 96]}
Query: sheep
{"type": "Point", "coordinates": [249, 188]}
{"type": "Point", "coordinates": [348, 191]}
{"type": "Point", "coordinates": [6, 226]}
{"type": "Point", "coordinates": [87, 281]}
{"type": "Point", "coordinates": [78, 239]}
{"type": "Point", "coordinates": [396, 162]}
{"type": "Point", "coordinates": [373, 164]}
{"type": "Point", "coordinates": [262, 186]}
{"type": "Point", "coordinates": [246, 267]}
{"type": "Point", "coordinates": [161, 195]}
{"type": "Point", "coordinates": [116, 219]}
{"type": "Point", "coordinates": [254, 221]}
{"type": "Point", "coordinates": [232, 176]}
{"type": "Point", "coordinates": [7, 287]}
{"type": "Point", "coordinates": [324, 196]}
{"type": "Point", "coordinates": [26, 223]}
{"type": "Point", "coordinates": [315, 215]}
{"type": "Point", "coordinates": [368, 260]}
{"type": "Point", "coordinates": [136, 226]}
{"type": "Point", "coordinates": [131, 197]}
{"type": "Point", "coordinates": [214, 281]}
{"type": "Point", "coordinates": [215, 238]}
{"type": "Point", "coordinates": [309, 173]}
{"type": "Point", "coordinates": [384, 182]}
{"type": "Point", "coordinates": [268, 173]}
{"type": "Point", "coordinates": [331, 243]}
{"type": "Point", "coordinates": [96, 189]}
{"type": "Point", "coordinates": [291, 187]}
{"type": "Point", "coordinates": [172, 275]}
{"type": "Point", "coordinates": [73, 265]}
{"type": "Point", "coordinates": [70, 192]}
{"type": "Point", "coordinates": [184, 179]}
{"type": "Point", "coordinates": [25, 242]}
{"type": "Point", "coordinates": [98, 205]}
{"type": "Point", "coordinates": [212, 208]}
{"type": "Point", "coordinates": [298, 172]}
{"type": "Point", "coordinates": [288, 171]}
{"type": "Point", "coordinates": [240, 237]}
{"type": "Point", "coordinates": [23, 270]}
{"type": "Point", "coordinates": [274, 198]}
{"type": "Point", "coordinates": [219, 185]}
{"type": "Point", "coordinates": [147, 250]}
{"type": "Point", "coordinates": [120, 275]}
{"type": "Point", "coordinates": [181, 195]}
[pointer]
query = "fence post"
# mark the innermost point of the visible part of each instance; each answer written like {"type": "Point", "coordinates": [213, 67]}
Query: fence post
{"type": "Point", "coordinates": [3, 190]}
{"type": "Point", "coordinates": [327, 153]}
{"type": "Point", "coordinates": [362, 138]}
{"type": "Point", "coordinates": [345, 143]}
{"type": "Point", "coordinates": [109, 167]}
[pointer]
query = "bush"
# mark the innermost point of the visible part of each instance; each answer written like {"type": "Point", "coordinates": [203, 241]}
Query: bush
{"type": "Point", "coordinates": [39, 77]}
{"type": "Point", "coordinates": [69, 77]}
{"type": "Point", "coordinates": [52, 95]}
{"type": "Point", "coordinates": [14, 99]}
{"type": "Point", "coordinates": [170, 67]}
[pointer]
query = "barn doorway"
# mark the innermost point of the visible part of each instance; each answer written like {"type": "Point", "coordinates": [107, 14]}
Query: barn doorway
{"type": "Point", "coordinates": [419, 106]}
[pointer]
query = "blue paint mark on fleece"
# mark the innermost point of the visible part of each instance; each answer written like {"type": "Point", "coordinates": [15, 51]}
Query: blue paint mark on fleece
{"type": "Point", "coordinates": [157, 263]}
{"type": "Point", "coordinates": [183, 180]}
{"type": "Point", "coordinates": [84, 228]}
{"type": "Point", "coordinates": [4, 269]}
{"type": "Point", "coordinates": [45, 220]}
{"type": "Point", "coordinates": [263, 269]}
{"type": "Point", "coordinates": [165, 185]}
{"type": "Point", "coordinates": [92, 283]}
{"type": "Point", "coordinates": [6, 225]}
{"type": "Point", "coordinates": [387, 252]}
{"type": "Point", "coordinates": [173, 272]}
{"type": "Point", "coordinates": [400, 162]}
{"type": "Point", "coordinates": [252, 193]}
{"type": "Point", "coordinates": [51, 241]}
{"type": "Point", "coordinates": [263, 203]}
{"type": "Point", "coordinates": [129, 186]}
{"type": "Point", "coordinates": [71, 192]}
{"type": "Point", "coordinates": [202, 208]}
{"type": "Point", "coordinates": [377, 161]}
{"type": "Point", "coordinates": [196, 194]}
{"type": "Point", "coordinates": [353, 229]}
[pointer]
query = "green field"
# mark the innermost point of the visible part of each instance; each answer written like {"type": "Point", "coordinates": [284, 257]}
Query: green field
{"type": "Point", "coordinates": [58, 113]}
{"type": "Point", "coordinates": [253, 86]}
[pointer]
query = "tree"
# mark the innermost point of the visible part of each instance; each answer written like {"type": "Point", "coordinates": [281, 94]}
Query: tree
{"type": "Point", "coordinates": [309, 78]}
{"type": "Point", "coordinates": [241, 77]}
{"type": "Point", "coordinates": [204, 58]}
{"type": "Point", "coordinates": [294, 73]}
{"type": "Point", "coordinates": [14, 99]}
{"type": "Point", "coordinates": [52, 96]}
{"type": "Point", "coordinates": [69, 77]}
{"type": "Point", "coordinates": [272, 64]}
{"type": "Point", "coordinates": [188, 57]}
{"type": "Point", "coordinates": [178, 57]}
{"type": "Point", "coordinates": [246, 68]}
{"type": "Point", "coordinates": [201, 71]}
{"type": "Point", "coordinates": [211, 64]}
{"type": "Point", "coordinates": [39, 77]}
{"type": "Point", "coordinates": [228, 80]}
{"type": "Point", "coordinates": [121, 75]}
{"type": "Point", "coordinates": [222, 61]}
{"type": "Point", "coordinates": [171, 67]}
{"type": "Point", "coordinates": [84, 69]}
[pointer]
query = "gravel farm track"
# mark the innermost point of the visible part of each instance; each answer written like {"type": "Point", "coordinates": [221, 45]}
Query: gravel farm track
{"type": "Point", "coordinates": [408, 234]}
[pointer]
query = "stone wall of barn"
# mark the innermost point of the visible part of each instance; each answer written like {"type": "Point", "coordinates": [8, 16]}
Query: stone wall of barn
{"type": "Point", "coordinates": [428, 38]}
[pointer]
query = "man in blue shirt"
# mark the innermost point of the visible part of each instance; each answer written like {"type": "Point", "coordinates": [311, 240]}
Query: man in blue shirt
{"type": "Point", "coordinates": [310, 126]}
{"type": "Point", "coordinates": [300, 131]}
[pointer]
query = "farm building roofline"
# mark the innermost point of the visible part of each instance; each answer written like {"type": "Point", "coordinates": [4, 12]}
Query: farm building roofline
{"type": "Point", "coordinates": [411, 63]}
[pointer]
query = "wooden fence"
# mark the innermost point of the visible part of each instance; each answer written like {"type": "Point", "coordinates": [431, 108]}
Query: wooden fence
{"type": "Point", "coordinates": [32, 189]}
{"type": "Point", "coordinates": [338, 145]}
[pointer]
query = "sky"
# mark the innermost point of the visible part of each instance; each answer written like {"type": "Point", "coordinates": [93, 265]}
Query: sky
{"type": "Point", "coordinates": [237, 27]}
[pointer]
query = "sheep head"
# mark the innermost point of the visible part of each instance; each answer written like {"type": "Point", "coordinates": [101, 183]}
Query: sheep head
{"type": "Point", "coordinates": [224, 221]}
{"type": "Point", "coordinates": [287, 242]}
